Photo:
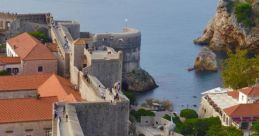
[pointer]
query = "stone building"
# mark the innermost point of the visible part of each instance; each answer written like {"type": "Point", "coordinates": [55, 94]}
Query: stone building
{"type": "Point", "coordinates": [34, 56]}
{"type": "Point", "coordinates": [128, 41]}
{"type": "Point", "coordinates": [237, 108]}
{"type": "Point", "coordinates": [26, 103]}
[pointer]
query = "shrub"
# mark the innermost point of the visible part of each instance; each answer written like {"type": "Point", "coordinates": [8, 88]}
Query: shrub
{"type": "Point", "coordinates": [131, 97]}
{"type": "Point", "coordinates": [4, 72]}
{"type": "Point", "coordinates": [243, 13]}
{"type": "Point", "coordinates": [188, 113]}
{"type": "Point", "coordinates": [141, 112]}
{"type": "Point", "coordinates": [40, 36]}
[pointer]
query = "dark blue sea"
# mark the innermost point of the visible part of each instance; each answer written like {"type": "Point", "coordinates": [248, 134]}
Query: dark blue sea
{"type": "Point", "coordinates": [168, 28]}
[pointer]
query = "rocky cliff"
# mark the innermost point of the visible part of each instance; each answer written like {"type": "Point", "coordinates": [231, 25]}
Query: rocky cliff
{"type": "Point", "coordinates": [138, 80]}
{"type": "Point", "coordinates": [206, 60]}
{"type": "Point", "coordinates": [224, 31]}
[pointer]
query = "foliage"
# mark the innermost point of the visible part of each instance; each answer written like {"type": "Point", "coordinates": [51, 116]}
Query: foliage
{"type": "Point", "coordinates": [218, 130]}
{"type": "Point", "coordinates": [229, 6]}
{"type": "Point", "coordinates": [239, 70]}
{"type": "Point", "coordinates": [255, 127]}
{"type": "Point", "coordinates": [141, 112]}
{"type": "Point", "coordinates": [2, 46]}
{"type": "Point", "coordinates": [244, 13]}
{"type": "Point", "coordinates": [131, 97]}
{"type": "Point", "coordinates": [188, 113]}
{"type": "Point", "coordinates": [199, 126]}
{"type": "Point", "coordinates": [40, 36]}
{"type": "Point", "coordinates": [4, 72]}
{"type": "Point", "coordinates": [179, 125]}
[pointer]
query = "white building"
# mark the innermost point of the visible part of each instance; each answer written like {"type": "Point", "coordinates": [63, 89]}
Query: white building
{"type": "Point", "coordinates": [233, 107]}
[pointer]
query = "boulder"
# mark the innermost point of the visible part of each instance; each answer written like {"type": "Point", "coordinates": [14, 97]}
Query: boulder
{"type": "Point", "coordinates": [206, 60]}
{"type": "Point", "coordinates": [138, 80]}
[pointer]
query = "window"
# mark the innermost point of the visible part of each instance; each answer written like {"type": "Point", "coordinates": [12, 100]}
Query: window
{"type": "Point", "coordinates": [40, 69]}
{"type": "Point", "coordinates": [47, 131]}
{"type": "Point", "coordinates": [15, 70]}
{"type": "Point", "coordinates": [9, 131]}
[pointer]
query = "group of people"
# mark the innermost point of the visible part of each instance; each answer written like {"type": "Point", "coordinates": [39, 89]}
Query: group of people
{"type": "Point", "coordinates": [59, 113]}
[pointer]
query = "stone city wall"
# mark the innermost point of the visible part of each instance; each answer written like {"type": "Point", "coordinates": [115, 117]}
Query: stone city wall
{"type": "Point", "coordinates": [128, 41]}
{"type": "Point", "coordinates": [103, 118]}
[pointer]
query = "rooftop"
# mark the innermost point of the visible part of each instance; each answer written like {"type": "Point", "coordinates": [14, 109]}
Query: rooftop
{"type": "Point", "coordinates": [52, 47]}
{"type": "Point", "coordinates": [22, 82]}
{"type": "Point", "coordinates": [29, 48]}
{"type": "Point", "coordinates": [26, 109]}
{"type": "Point", "coordinates": [243, 110]}
{"type": "Point", "coordinates": [10, 60]}
{"type": "Point", "coordinates": [46, 84]}
{"type": "Point", "coordinates": [223, 100]}
{"type": "Point", "coordinates": [250, 91]}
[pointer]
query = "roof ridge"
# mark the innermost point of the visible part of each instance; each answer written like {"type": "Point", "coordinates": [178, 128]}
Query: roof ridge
{"type": "Point", "coordinates": [29, 98]}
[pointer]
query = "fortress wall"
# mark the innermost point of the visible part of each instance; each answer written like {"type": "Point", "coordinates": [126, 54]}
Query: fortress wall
{"type": "Point", "coordinates": [107, 71]}
{"type": "Point", "coordinates": [103, 118]}
{"type": "Point", "coordinates": [73, 27]}
{"type": "Point", "coordinates": [128, 41]}
{"type": "Point", "coordinates": [40, 18]}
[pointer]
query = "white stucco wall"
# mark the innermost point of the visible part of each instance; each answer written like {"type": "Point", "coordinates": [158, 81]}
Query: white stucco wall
{"type": "Point", "coordinates": [9, 51]}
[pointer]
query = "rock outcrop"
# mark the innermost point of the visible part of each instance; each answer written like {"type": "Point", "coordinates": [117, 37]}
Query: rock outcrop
{"type": "Point", "coordinates": [138, 80]}
{"type": "Point", "coordinates": [206, 60]}
{"type": "Point", "coordinates": [224, 32]}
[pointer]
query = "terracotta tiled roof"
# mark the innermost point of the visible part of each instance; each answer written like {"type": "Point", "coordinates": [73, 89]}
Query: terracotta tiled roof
{"type": "Point", "coordinates": [52, 47]}
{"type": "Point", "coordinates": [26, 109]}
{"type": "Point", "coordinates": [10, 60]}
{"type": "Point", "coordinates": [234, 94]}
{"type": "Point", "coordinates": [251, 91]}
{"type": "Point", "coordinates": [60, 87]}
{"type": "Point", "coordinates": [29, 48]}
{"type": "Point", "coordinates": [46, 84]}
{"type": "Point", "coordinates": [243, 110]}
{"type": "Point", "coordinates": [22, 82]}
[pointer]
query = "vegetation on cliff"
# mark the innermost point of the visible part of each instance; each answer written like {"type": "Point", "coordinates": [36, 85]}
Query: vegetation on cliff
{"type": "Point", "coordinates": [240, 70]}
{"type": "Point", "coordinates": [244, 14]}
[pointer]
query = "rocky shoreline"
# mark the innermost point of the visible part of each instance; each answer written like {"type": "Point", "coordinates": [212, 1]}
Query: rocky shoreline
{"type": "Point", "coordinates": [138, 80]}
{"type": "Point", "coordinates": [223, 31]}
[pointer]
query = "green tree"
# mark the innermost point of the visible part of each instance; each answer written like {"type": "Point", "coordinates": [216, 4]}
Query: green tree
{"type": "Point", "coordinates": [239, 70]}
{"type": "Point", "coordinates": [217, 130]}
{"type": "Point", "coordinates": [255, 127]}
{"type": "Point", "coordinates": [40, 36]}
{"type": "Point", "coordinates": [130, 96]}
{"type": "Point", "coordinates": [188, 113]}
{"type": "Point", "coordinates": [141, 112]}
{"type": "Point", "coordinates": [244, 13]}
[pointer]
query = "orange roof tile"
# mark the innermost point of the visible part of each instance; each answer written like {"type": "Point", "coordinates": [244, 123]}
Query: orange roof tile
{"type": "Point", "coordinates": [22, 82]}
{"type": "Point", "coordinates": [26, 109]}
{"type": "Point", "coordinates": [29, 48]}
{"type": "Point", "coordinates": [234, 94]}
{"type": "Point", "coordinates": [243, 110]}
{"type": "Point", "coordinates": [60, 87]}
{"type": "Point", "coordinates": [52, 47]}
{"type": "Point", "coordinates": [251, 91]}
{"type": "Point", "coordinates": [10, 60]}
